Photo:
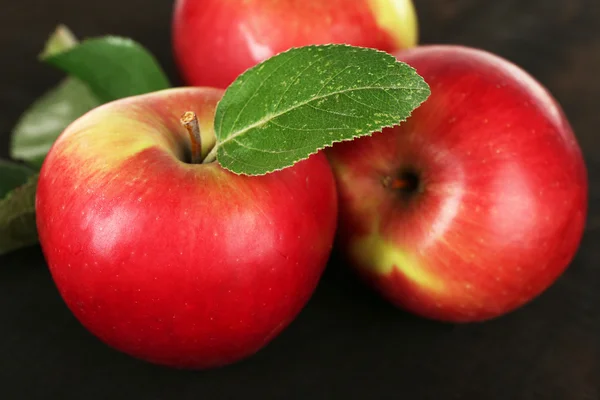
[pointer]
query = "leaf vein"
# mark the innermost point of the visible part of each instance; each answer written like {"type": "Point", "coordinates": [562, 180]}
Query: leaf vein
{"type": "Point", "coordinates": [332, 112]}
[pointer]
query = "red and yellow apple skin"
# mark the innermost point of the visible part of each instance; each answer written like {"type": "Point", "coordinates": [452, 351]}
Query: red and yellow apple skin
{"type": "Point", "coordinates": [214, 41]}
{"type": "Point", "coordinates": [495, 195]}
{"type": "Point", "coordinates": [185, 265]}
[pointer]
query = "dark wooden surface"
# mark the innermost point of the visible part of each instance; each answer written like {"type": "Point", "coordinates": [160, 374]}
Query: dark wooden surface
{"type": "Point", "coordinates": [347, 343]}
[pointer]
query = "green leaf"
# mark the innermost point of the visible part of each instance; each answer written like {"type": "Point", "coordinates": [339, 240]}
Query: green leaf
{"type": "Point", "coordinates": [12, 175]}
{"type": "Point", "coordinates": [40, 125]}
{"type": "Point", "coordinates": [303, 100]}
{"type": "Point", "coordinates": [17, 217]}
{"type": "Point", "coordinates": [102, 70]}
{"type": "Point", "coordinates": [112, 67]}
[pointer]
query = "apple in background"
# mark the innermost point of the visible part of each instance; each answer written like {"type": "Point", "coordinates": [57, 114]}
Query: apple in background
{"type": "Point", "coordinates": [473, 206]}
{"type": "Point", "coordinates": [216, 40]}
{"type": "Point", "coordinates": [186, 265]}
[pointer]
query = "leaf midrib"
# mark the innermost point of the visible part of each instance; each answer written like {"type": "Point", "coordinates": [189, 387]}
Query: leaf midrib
{"type": "Point", "coordinates": [303, 103]}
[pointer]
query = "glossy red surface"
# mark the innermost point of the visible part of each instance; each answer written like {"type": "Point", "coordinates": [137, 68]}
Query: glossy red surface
{"type": "Point", "coordinates": [178, 264]}
{"type": "Point", "coordinates": [216, 40]}
{"type": "Point", "coordinates": [502, 201]}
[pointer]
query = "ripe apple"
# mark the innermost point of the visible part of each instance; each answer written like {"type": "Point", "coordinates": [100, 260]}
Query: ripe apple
{"type": "Point", "coordinates": [473, 206]}
{"type": "Point", "coordinates": [214, 41]}
{"type": "Point", "coordinates": [182, 264]}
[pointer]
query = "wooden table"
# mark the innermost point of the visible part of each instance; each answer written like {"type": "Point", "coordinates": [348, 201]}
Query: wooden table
{"type": "Point", "coordinates": [347, 343]}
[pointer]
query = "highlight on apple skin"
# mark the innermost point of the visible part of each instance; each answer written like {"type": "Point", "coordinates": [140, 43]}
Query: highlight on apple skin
{"type": "Point", "coordinates": [214, 41]}
{"type": "Point", "coordinates": [476, 204]}
{"type": "Point", "coordinates": [185, 265]}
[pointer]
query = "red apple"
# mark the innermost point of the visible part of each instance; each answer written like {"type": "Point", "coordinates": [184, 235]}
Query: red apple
{"type": "Point", "coordinates": [186, 265]}
{"type": "Point", "coordinates": [476, 204]}
{"type": "Point", "coordinates": [216, 40]}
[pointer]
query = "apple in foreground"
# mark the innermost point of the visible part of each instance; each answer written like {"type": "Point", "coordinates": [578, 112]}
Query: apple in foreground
{"type": "Point", "coordinates": [476, 204]}
{"type": "Point", "coordinates": [181, 264]}
{"type": "Point", "coordinates": [214, 41]}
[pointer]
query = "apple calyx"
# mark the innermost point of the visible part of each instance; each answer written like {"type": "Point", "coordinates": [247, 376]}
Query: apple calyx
{"type": "Point", "coordinates": [190, 123]}
{"type": "Point", "coordinates": [407, 182]}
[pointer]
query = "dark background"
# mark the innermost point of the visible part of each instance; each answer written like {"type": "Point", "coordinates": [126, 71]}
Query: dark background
{"type": "Point", "coordinates": [347, 343]}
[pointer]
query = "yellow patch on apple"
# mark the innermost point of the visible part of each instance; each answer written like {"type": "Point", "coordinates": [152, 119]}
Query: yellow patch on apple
{"type": "Point", "coordinates": [377, 254]}
{"type": "Point", "coordinates": [399, 19]}
{"type": "Point", "coordinates": [128, 129]}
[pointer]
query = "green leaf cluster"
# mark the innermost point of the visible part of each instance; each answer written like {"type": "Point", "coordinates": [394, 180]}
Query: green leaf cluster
{"type": "Point", "coordinates": [98, 70]}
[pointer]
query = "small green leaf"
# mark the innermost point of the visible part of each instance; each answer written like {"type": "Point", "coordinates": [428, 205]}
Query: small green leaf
{"type": "Point", "coordinates": [12, 175]}
{"type": "Point", "coordinates": [46, 118]}
{"type": "Point", "coordinates": [17, 217]}
{"type": "Point", "coordinates": [112, 67]}
{"type": "Point", "coordinates": [303, 100]}
{"type": "Point", "coordinates": [40, 125]}
{"type": "Point", "coordinates": [102, 70]}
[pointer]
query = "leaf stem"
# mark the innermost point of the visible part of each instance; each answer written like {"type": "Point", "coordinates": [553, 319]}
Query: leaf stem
{"type": "Point", "coordinates": [212, 155]}
{"type": "Point", "coordinates": [190, 123]}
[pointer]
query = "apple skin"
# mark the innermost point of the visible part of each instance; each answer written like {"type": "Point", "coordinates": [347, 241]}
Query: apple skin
{"type": "Point", "coordinates": [496, 197]}
{"type": "Point", "coordinates": [189, 266]}
{"type": "Point", "coordinates": [214, 41]}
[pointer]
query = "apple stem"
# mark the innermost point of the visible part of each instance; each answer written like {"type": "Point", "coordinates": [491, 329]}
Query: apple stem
{"type": "Point", "coordinates": [190, 123]}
